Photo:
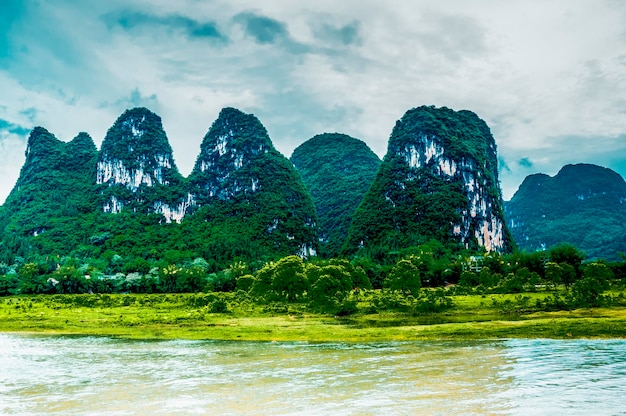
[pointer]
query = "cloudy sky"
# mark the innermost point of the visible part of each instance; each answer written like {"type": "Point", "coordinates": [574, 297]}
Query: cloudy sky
{"type": "Point", "coordinates": [548, 77]}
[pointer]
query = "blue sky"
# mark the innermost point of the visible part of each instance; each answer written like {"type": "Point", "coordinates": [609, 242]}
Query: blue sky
{"type": "Point", "coordinates": [548, 77]}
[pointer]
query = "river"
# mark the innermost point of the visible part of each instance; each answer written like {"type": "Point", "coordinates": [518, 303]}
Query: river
{"type": "Point", "coordinates": [105, 376]}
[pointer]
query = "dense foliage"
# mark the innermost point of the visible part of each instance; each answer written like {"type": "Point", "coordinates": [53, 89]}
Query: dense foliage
{"type": "Point", "coordinates": [250, 222]}
{"type": "Point", "coordinates": [412, 283]}
{"type": "Point", "coordinates": [54, 188]}
{"type": "Point", "coordinates": [438, 162]}
{"type": "Point", "coordinates": [251, 204]}
{"type": "Point", "coordinates": [583, 204]}
{"type": "Point", "coordinates": [337, 170]}
{"type": "Point", "coordinates": [248, 195]}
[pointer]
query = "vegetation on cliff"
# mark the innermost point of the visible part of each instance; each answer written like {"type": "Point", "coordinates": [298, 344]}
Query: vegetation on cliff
{"type": "Point", "coordinates": [584, 205]}
{"type": "Point", "coordinates": [437, 181]}
{"type": "Point", "coordinates": [337, 169]}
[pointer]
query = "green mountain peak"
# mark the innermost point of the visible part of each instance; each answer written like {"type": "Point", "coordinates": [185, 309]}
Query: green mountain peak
{"type": "Point", "coordinates": [583, 204]}
{"type": "Point", "coordinates": [438, 180]}
{"type": "Point", "coordinates": [337, 169]}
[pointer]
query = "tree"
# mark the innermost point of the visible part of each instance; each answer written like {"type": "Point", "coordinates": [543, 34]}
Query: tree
{"type": "Point", "coordinates": [404, 277]}
{"type": "Point", "coordinates": [565, 253]}
{"type": "Point", "coordinates": [29, 279]}
{"type": "Point", "coordinates": [554, 272]}
{"type": "Point", "coordinates": [289, 280]}
{"type": "Point", "coordinates": [330, 288]}
{"type": "Point", "coordinates": [168, 277]}
{"type": "Point", "coordinates": [191, 278]}
{"type": "Point", "coordinates": [8, 284]}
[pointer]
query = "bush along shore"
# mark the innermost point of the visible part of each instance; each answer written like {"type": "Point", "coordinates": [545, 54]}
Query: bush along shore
{"type": "Point", "coordinates": [423, 293]}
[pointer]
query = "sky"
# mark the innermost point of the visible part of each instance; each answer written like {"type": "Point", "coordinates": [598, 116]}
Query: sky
{"type": "Point", "coordinates": [548, 76]}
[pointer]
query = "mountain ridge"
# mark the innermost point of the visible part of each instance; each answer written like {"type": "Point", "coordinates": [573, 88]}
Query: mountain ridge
{"type": "Point", "coordinates": [583, 204]}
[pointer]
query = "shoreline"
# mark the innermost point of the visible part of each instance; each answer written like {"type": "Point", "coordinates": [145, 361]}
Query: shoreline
{"type": "Point", "coordinates": [170, 317]}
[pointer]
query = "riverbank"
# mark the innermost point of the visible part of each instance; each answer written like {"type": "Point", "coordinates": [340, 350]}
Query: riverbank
{"type": "Point", "coordinates": [193, 317]}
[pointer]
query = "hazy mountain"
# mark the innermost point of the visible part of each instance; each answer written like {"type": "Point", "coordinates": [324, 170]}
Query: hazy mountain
{"type": "Point", "coordinates": [584, 205]}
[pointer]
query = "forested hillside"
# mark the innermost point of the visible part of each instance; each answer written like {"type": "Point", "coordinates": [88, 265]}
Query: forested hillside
{"type": "Point", "coordinates": [128, 206]}
{"type": "Point", "coordinates": [123, 219]}
{"type": "Point", "coordinates": [583, 204]}
{"type": "Point", "coordinates": [337, 169]}
{"type": "Point", "coordinates": [438, 181]}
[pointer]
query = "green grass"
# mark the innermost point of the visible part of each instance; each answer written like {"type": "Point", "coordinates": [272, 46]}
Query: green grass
{"type": "Point", "coordinates": [191, 316]}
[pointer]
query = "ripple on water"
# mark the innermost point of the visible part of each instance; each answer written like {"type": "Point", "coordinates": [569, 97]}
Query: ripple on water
{"type": "Point", "coordinates": [87, 375]}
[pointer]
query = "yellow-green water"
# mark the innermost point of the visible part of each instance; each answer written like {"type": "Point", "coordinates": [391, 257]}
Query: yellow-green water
{"type": "Point", "coordinates": [104, 376]}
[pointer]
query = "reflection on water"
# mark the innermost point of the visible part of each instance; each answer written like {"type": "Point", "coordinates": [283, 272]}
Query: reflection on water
{"type": "Point", "coordinates": [87, 375]}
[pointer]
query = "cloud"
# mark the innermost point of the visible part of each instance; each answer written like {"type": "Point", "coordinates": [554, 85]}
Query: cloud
{"type": "Point", "coordinates": [132, 20]}
{"type": "Point", "coordinates": [344, 35]}
{"type": "Point", "coordinates": [12, 11]}
{"type": "Point", "coordinates": [549, 94]}
{"type": "Point", "coordinates": [525, 162]}
{"type": "Point", "coordinates": [13, 128]}
{"type": "Point", "coordinates": [452, 36]}
{"type": "Point", "coordinates": [134, 99]}
{"type": "Point", "coordinates": [502, 165]}
{"type": "Point", "coordinates": [268, 31]}
{"type": "Point", "coordinates": [262, 29]}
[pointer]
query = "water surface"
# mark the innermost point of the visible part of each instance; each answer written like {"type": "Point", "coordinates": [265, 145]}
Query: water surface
{"type": "Point", "coordinates": [104, 376]}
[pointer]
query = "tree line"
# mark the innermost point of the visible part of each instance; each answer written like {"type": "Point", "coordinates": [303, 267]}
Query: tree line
{"type": "Point", "coordinates": [414, 273]}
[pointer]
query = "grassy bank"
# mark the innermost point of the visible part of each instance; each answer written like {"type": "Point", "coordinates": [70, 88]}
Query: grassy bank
{"type": "Point", "coordinates": [227, 316]}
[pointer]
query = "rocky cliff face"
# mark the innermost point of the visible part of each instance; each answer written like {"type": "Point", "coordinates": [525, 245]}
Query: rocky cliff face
{"type": "Point", "coordinates": [239, 171]}
{"type": "Point", "coordinates": [233, 146]}
{"type": "Point", "coordinates": [438, 180]}
{"type": "Point", "coordinates": [583, 204]}
{"type": "Point", "coordinates": [337, 169]}
{"type": "Point", "coordinates": [135, 165]}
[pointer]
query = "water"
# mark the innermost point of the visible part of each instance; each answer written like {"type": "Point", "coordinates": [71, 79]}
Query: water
{"type": "Point", "coordinates": [103, 376]}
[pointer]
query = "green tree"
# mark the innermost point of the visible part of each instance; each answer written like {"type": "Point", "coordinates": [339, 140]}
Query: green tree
{"type": "Point", "coordinates": [565, 253]}
{"type": "Point", "coordinates": [404, 277]}
{"type": "Point", "coordinates": [8, 284]}
{"type": "Point", "coordinates": [289, 280]}
{"type": "Point", "coordinates": [328, 290]}
{"type": "Point", "coordinates": [554, 273]}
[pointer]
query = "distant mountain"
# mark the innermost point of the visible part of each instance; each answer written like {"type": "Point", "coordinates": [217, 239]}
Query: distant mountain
{"type": "Point", "coordinates": [584, 205]}
{"type": "Point", "coordinates": [438, 180]}
{"type": "Point", "coordinates": [338, 170]}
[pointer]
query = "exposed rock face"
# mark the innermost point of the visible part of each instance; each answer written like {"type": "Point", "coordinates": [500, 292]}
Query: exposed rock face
{"type": "Point", "coordinates": [135, 164]}
{"type": "Point", "coordinates": [337, 169]}
{"type": "Point", "coordinates": [583, 204]}
{"type": "Point", "coordinates": [234, 143]}
{"type": "Point", "coordinates": [239, 171]}
{"type": "Point", "coordinates": [438, 180]}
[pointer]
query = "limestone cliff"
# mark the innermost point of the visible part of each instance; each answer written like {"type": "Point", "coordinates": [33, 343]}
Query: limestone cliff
{"type": "Point", "coordinates": [240, 178]}
{"type": "Point", "coordinates": [136, 166]}
{"type": "Point", "coordinates": [438, 180]}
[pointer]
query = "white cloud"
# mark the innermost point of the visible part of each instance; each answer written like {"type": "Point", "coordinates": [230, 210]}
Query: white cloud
{"type": "Point", "coordinates": [536, 71]}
